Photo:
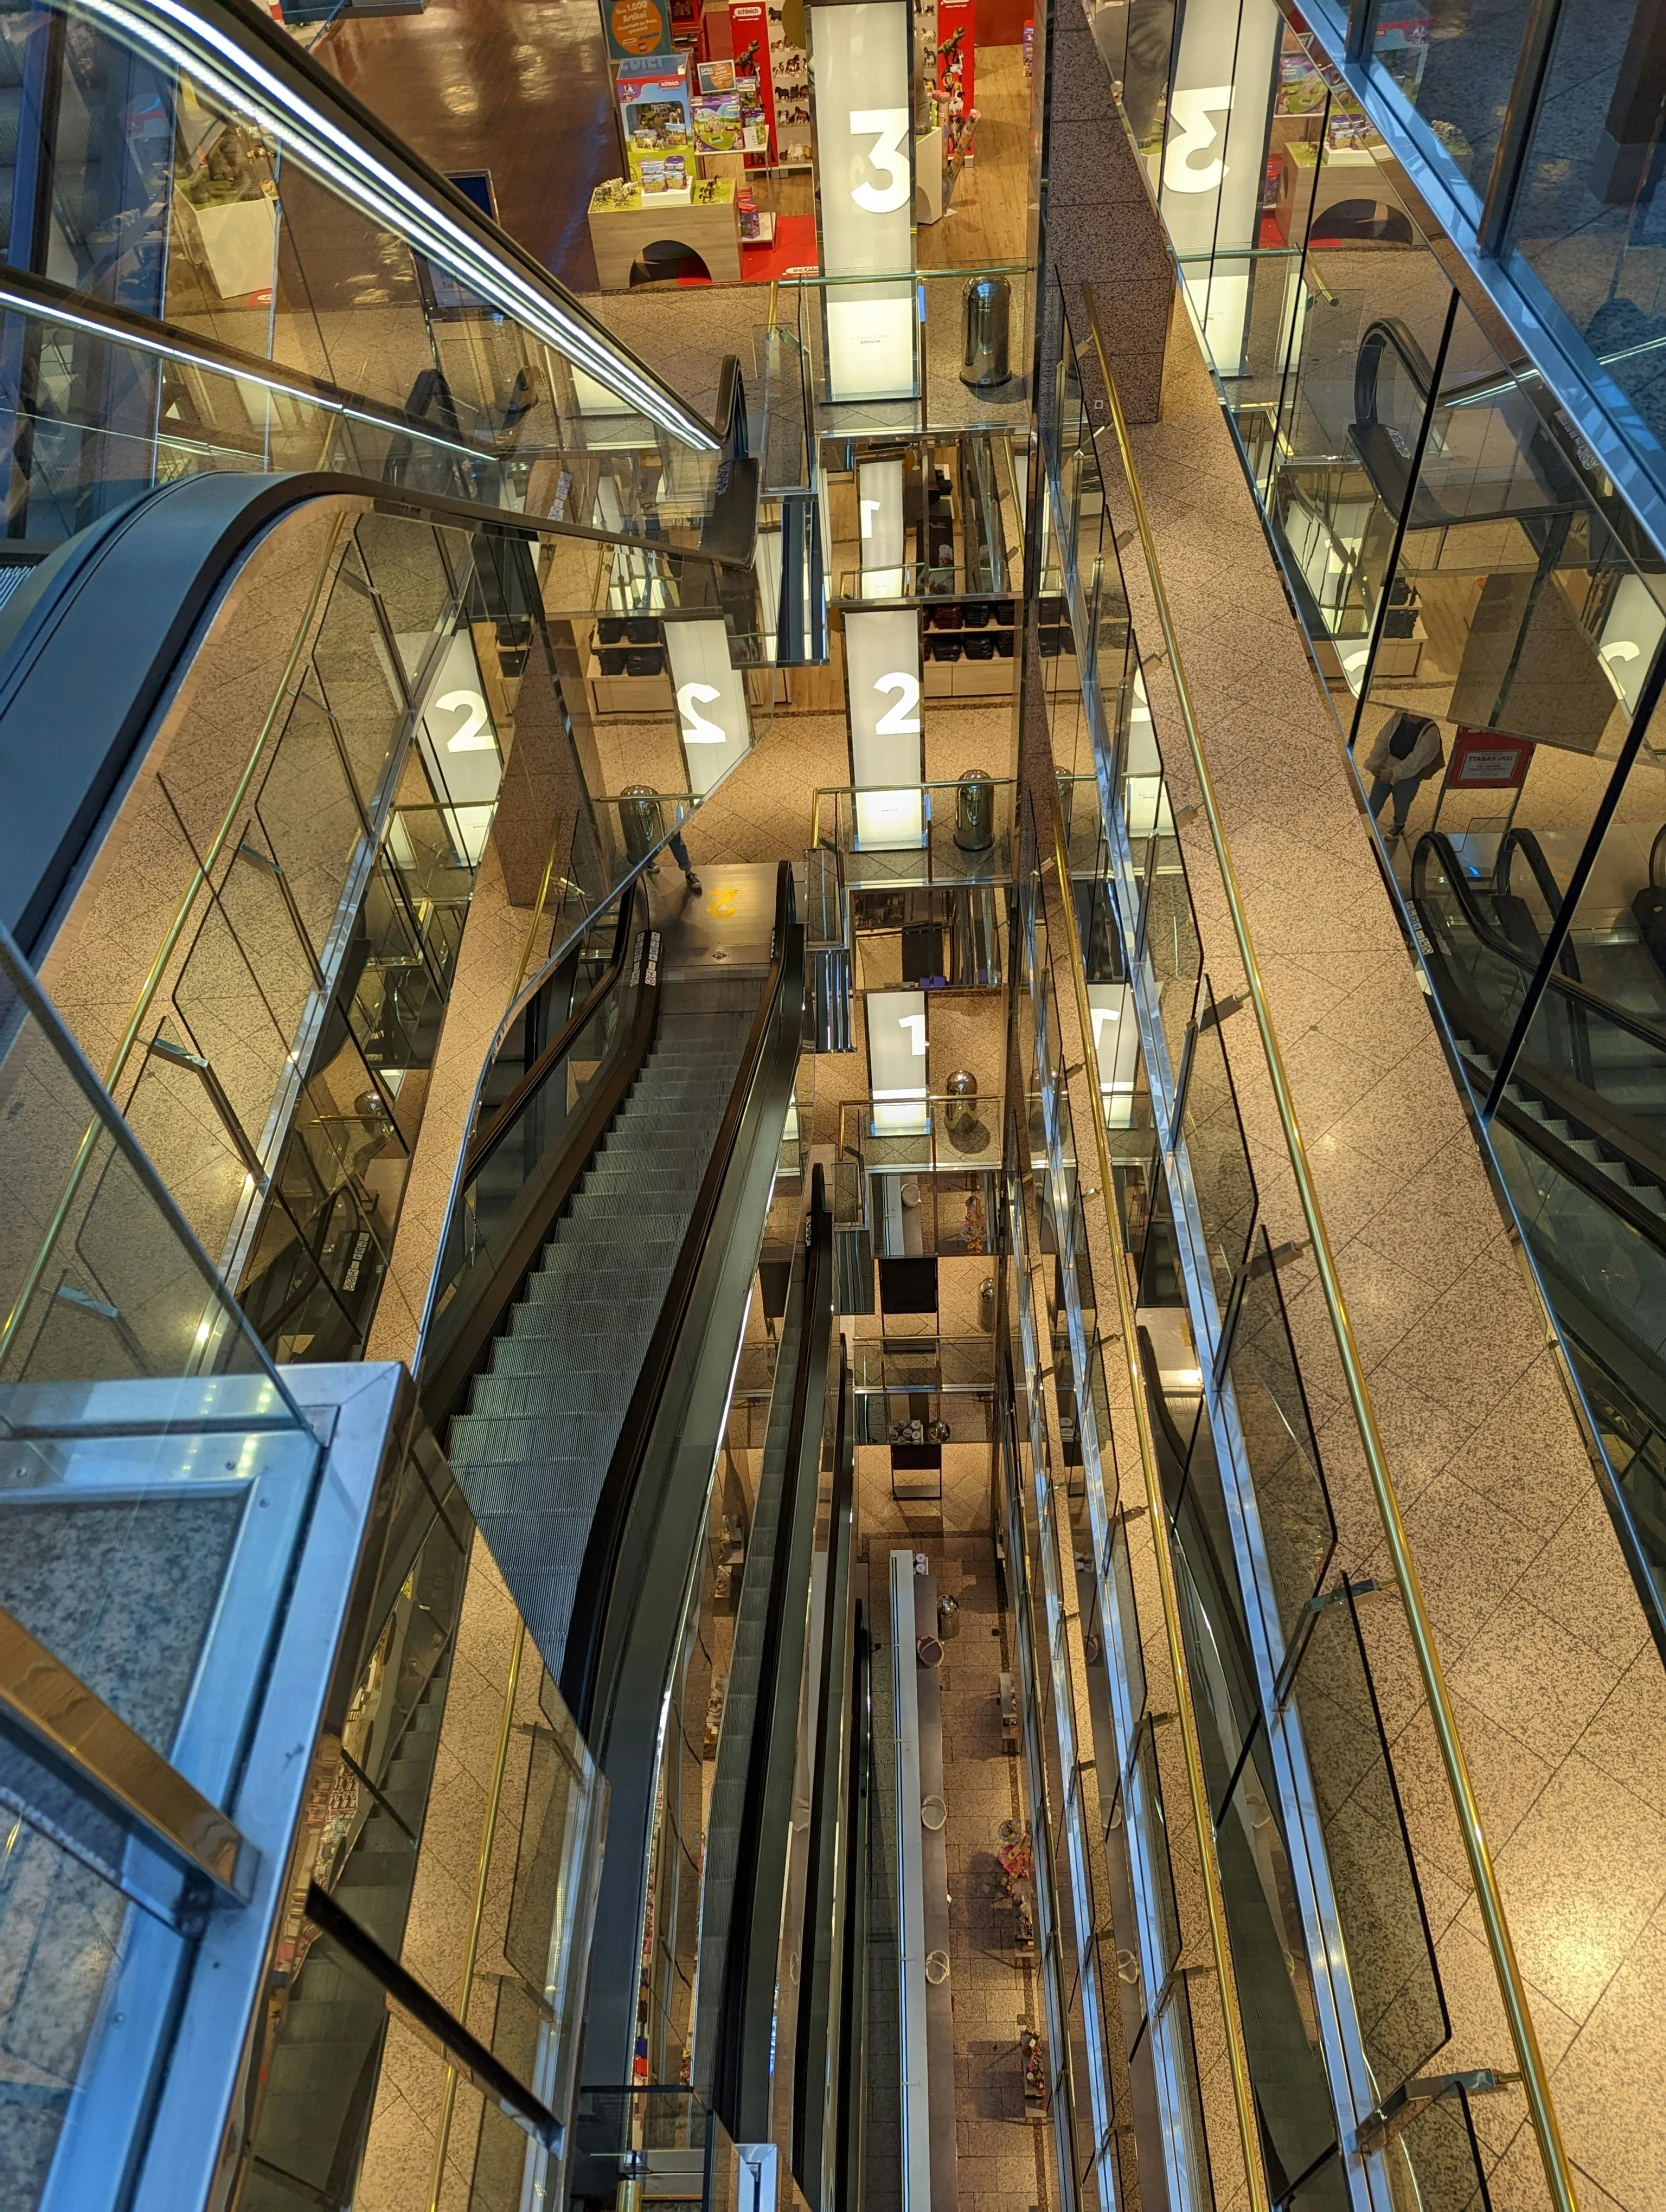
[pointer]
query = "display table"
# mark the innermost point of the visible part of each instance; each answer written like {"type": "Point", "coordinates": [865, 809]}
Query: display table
{"type": "Point", "coordinates": [1349, 173]}
{"type": "Point", "coordinates": [624, 219]}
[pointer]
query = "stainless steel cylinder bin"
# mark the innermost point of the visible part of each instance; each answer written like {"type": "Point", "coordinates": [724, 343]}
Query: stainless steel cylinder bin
{"type": "Point", "coordinates": [640, 822]}
{"type": "Point", "coordinates": [974, 812]}
{"type": "Point", "coordinates": [961, 1113]}
{"type": "Point", "coordinates": [988, 315]}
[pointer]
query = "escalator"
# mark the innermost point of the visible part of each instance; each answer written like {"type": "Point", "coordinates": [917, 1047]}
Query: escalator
{"type": "Point", "coordinates": [550, 1409]}
{"type": "Point", "coordinates": [1592, 1074]}
{"type": "Point", "coordinates": [582, 1345]}
{"type": "Point", "coordinates": [585, 1207]}
{"type": "Point", "coordinates": [1579, 1130]}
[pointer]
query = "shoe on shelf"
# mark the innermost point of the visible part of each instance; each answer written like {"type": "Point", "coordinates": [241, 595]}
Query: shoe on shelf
{"type": "Point", "coordinates": [692, 880]}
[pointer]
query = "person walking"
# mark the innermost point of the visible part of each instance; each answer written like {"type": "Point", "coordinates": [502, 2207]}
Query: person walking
{"type": "Point", "coordinates": [679, 853]}
{"type": "Point", "coordinates": [1407, 752]}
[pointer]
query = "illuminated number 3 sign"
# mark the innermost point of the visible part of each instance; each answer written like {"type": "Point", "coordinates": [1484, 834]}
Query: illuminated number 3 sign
{"type": "Point", "coordinates": [1195, 131]}
{"type": "Point", "coordinates": [888, 128]}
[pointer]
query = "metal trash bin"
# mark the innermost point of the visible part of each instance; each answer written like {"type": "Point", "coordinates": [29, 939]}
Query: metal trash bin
{"type": "Point", "coordinates": [641, 823]}
{"type": "Point", "coordinates": [974, 811]}
{"type": "Point", "coordinates": [988, 314]}
{"type": "Point", "coordinates": [961, 1114]}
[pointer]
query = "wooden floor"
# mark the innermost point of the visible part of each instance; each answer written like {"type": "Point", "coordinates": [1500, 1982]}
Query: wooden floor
{"type": "Point", "coordinates": [520, 87]}
{"type": "Point", "coordinates": [987, 217]}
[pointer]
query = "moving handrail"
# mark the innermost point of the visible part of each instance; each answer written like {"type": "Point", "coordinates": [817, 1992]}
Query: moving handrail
{"type": "Point", "coordinates": [745, 2024]}
{"type": "Point", "coordinates": [1436, 844]}
{"type": "Point", "coordinates": [463, 1319]}
{"type": "Point", "coordinates": [1553, 2156]}
{"type": "Point", "coordinates": [602, 1551]}
{"type": "Point", "coordinates": [1387, 333]}
{"type": "Point", "coordinates": [484, 1140]}
{"type": "Point", "coordinates": [1525, 842]}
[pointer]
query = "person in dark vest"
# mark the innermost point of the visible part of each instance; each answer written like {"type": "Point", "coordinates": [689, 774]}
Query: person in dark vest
{"type": "Point", "coordinates": [1407, 752]}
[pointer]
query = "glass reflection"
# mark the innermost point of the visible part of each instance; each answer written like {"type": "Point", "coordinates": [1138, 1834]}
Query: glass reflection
{"type": "Point", "coordinates": [1455, 60]}
{"type": "Point", "coordinates": [1586, 225]}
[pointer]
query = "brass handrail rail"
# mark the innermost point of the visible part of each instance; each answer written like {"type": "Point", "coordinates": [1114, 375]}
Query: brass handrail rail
{"type": "Point", "coordinates": [1535, 2082]}
{"type": "Point", "coordinates": [862, 1110]}
{"type": "Point", "coordinates": [1197, 1787]}
{"type": "Point", "coordinates": [860, 790]}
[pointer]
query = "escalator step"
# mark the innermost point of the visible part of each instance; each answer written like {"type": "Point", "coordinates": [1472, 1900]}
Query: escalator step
{"type": "Point", "coordinates": [487, 1439]}
{"type": "Point", "coordinates": [584, 1353]}
{"type": "Point", "coordinates": [556, 1394]}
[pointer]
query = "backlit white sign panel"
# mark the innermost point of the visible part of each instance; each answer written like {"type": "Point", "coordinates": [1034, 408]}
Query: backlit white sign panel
{"type": "Point", "coordinates": [897, 1059]}
{"type": "Point", "coordinates": [887, 734]}
{"type": "Point", "coordinates": [880, 527]}
{"type": "Point", "coordinates": [711, 699]}
{"type": "Point", "coordinates": [865, 178]}
{"type": "Point", "coordinates": [1214, 158]}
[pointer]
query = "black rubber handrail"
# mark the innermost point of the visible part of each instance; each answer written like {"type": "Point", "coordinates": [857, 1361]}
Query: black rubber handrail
{"type": "Point", "coordinates": [1573, 1166]}
{"type": "Point", "coordinates": [607, 1527]}
{"type": "Point", "coordinates": [731, 423]}
{"type": "Point", "coordinates": [465, 2050]}
{"type": "Point", "coordinates": [1524, 841]}
{"type": "Point", "coordinates": [1385, 332]}
{"type": "Point", "coordinates": [1581, 994]}
{"type": "Point", "coordinates": [458, 1341]}
{"type": "Point", "coordinates": [633, 912]}
{"type": "Point", "coordinates": [768, 1777]}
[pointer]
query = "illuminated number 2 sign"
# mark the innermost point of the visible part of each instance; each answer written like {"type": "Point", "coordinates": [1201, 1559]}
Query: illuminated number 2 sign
{"type": "Point", "coordinates": [902, 719]}
{"type": "Point", "coordinates": [696, 729]}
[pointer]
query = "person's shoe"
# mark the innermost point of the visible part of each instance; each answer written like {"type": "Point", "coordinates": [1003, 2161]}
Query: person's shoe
{"type": "Point", "coordinates": [692, 880]}
{"type": "Point", "coordinates": [652, 868]}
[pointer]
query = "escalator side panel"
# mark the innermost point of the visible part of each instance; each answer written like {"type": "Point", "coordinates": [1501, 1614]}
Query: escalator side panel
{"type": "Point", "coordinates": [751, 1824]}
{"type": "Point", "coordinates": [92, 660]}
{"type": "Point", "coordinates": [643, 1607]}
